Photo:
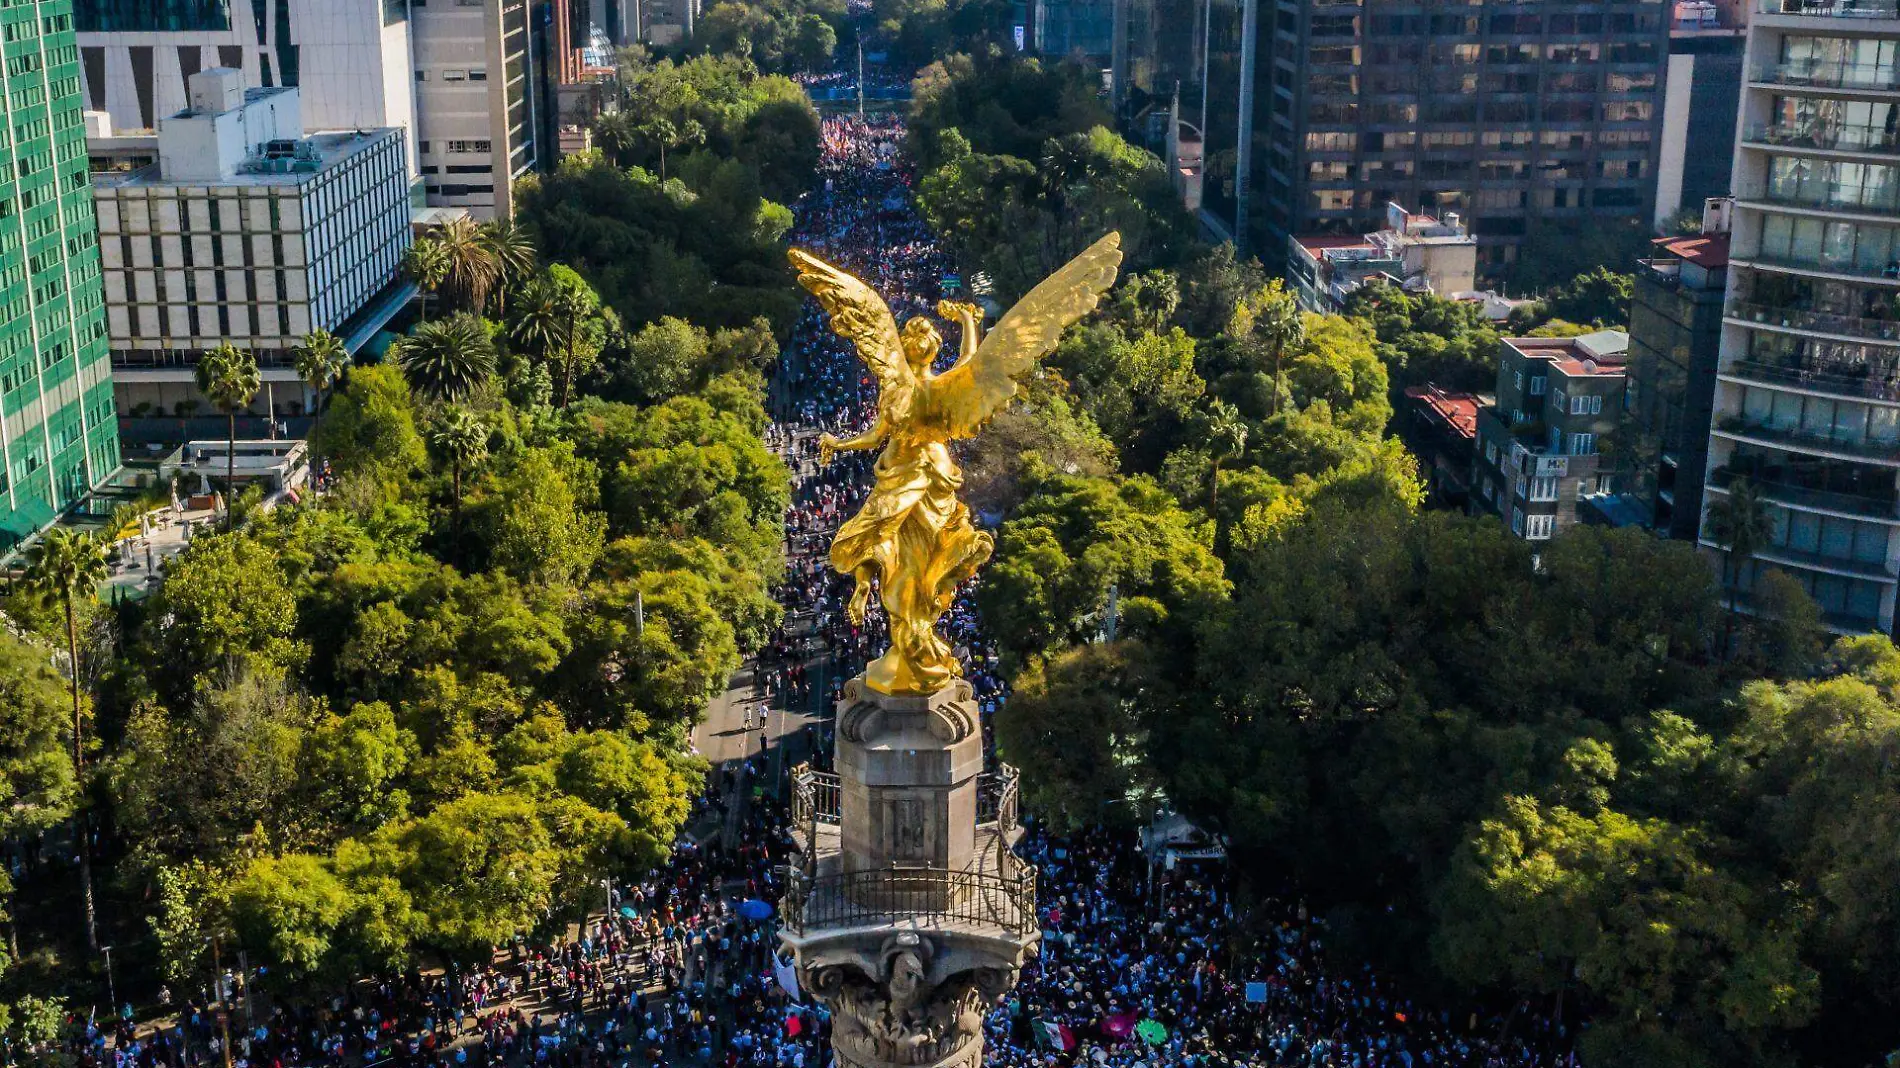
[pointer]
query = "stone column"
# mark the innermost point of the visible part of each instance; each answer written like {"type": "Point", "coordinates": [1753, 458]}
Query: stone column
{"type": "Point", "coordinates": [909, 915]}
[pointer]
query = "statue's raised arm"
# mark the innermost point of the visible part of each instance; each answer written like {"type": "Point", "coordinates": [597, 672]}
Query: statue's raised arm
{"type": "Point", "coordinates": [962, 399]}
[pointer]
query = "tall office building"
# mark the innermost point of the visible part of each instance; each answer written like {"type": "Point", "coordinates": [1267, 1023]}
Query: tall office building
{"type": "Point", "coordinates": [477, 108]}
{"type": "Point", "coordinates": [1807, 396]}
{"type": "Point", "coordinates": [349, 58]}
{"type": "Point", "coordinates": [1515, 116]}
{"type": "Point", "coordinates": [57, 437]}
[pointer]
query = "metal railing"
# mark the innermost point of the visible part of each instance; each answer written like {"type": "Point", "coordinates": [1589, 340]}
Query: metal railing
{"type": "Point", "coordinates": [1818, 134]}
{"type": "Point", "coordinates": [1888, 272]}
{"type": "Point", "coordinates": [1831, 196]}
{"type": "Point", "coordinates": [1794, 436]}
{"type": "Point", "coordinates": [1856, 386]}
{"type": "Point", "coordinates": [1804, 496]}
{"type": "Point", "coordinates": [1826, 74]}
{"type": "Point", "coordinates": [997, 798]}
{"type": "Point", "coordinates": [1821, 322]}
{"type": "Point", "coordinates": [865, 898]}
{"type": "Point", "coordinates": [816, 797]}
{"type": "Point", "coordinates": [1833, 9]}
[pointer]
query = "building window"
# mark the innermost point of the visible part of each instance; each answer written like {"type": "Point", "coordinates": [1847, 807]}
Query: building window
{"type": "Point", "coordinates": [1544, 488]}
{"type": "Point", "coordinates": [1490, 452]}
{"type": "Point", "coordinates": [1523, 486]}
{"type": "Point", "coordinates": [1539, 527]}
{"type": "Point", "coordinates": [1518, 379]}
{"type": "Point", "coordinates": [1586, 405]}
{"type": "Point", "coordinates": [1583, 444]}
{"type": "Point", "coordinates": [1517, 521]}
{"type": "Point", "coordinates": [1557, 397]}
{"type": "Point", "coordinates": [1538, 384]}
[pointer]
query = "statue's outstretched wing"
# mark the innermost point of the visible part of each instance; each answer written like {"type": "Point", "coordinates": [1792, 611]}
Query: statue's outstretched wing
{"type": "Point", "coordinates": [861, 317]}
{"type": "Point", "coordinates": [963, 398]}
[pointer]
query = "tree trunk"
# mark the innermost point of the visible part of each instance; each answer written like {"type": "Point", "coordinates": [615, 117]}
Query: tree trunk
{"type": "Point", "coordinates": [1728, 621]}
{"type": "Point", "coordinates": [316, 424]}
{"type": "Point", "coordinates": [230, 467]}
{"type": "Point", "coordinates": [81, 824]}
{"type": "Point", "coordinates": [455, 517]}
{"type": "Point", "coordinates": [567, 368]}
{"type": "Point", "coordinates": [1279, 349]}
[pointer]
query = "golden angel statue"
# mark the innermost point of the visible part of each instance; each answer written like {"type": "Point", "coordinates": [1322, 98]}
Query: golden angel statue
{"type": "Point", "coordinates": [913, 536]}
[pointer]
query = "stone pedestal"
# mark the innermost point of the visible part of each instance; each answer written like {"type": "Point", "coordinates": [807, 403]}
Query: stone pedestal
{"type": "Point", "coordinates": [909, 915]}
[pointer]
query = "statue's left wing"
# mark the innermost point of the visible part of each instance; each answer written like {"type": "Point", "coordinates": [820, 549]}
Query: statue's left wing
{"type": "Point", "coordinates": [860, 316]}
{"type": "Point", "coordinates": [963, 398]}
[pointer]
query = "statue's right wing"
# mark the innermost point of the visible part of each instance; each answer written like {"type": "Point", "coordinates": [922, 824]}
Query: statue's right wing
{"type": "Point", "coordinates": [861, 317]}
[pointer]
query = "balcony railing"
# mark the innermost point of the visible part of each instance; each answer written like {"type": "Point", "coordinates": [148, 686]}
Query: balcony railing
{"type": "Point", "coordinates": [1887, 272]}
{"type": "Point", "coordinates": [1005, 900]}
{"type": "Point", "coordinates": [1819, 322]}
{"type": "Point", "coordinates": [1825, 135]}
{"type": "Point", "coordinates": [1869, 386]}
{"type": "Point", "coordinates": [1825, 74]}
{"type": "Point", "coordinates": [1837, 9]}
{"type": "Point", "coordinates": [1803, 496]}
{"type": "Point", "coordinates": [1832, 196]}
{"type": "Point", "coordinates": [815, 798]}
{"type": "Point", "coordinates": [1796, 437]}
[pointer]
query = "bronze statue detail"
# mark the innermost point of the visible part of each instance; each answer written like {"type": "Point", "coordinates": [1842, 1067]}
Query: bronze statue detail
{"type": "Point", "coordinates": [913, 536]}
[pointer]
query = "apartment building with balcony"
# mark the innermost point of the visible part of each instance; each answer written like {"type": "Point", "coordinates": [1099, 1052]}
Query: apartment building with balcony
{"type": "Point", "coordinates": [1807, 397]}
{"type": "Point", "coordinates": [1539, 445]}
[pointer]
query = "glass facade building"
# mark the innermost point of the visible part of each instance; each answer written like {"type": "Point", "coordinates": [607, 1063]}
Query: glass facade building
{"type": "Point", "coordinates": [1514, 115]}
{"type": "Point", "coordinates": [151, 16]}
{"type": "Point", "coordinates": [57, 435]}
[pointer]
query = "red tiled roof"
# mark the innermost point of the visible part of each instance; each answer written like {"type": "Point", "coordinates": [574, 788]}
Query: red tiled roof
{"type": "Point", "coordinates": [1459, 410]}
{"type": "Point", "coordinates": [1703, 250]}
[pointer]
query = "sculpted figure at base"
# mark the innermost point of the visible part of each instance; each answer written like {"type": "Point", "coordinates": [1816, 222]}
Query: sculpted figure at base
{"type": "Point", "coordinates": [903, 1014]}
{"type": "Point", "coordinates": [913, 536]}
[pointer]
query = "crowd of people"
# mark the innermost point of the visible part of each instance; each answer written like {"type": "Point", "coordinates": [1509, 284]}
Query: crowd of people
{"type": "Point", "coordinates": [1138, 967]}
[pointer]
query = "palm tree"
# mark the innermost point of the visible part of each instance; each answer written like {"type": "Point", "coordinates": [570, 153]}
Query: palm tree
{"type": "Point", "coordinates": [1282, 325]}
{"type": "Point", "coordinates": [472, 270]}
{"type": "Point", "coordinates": [666, 133]}
{"type": "Point", "coordinates": [321, 360]}
{"type": "Point", "coordinates": [551, 319]}
{"type": "Point", "coordinates": [1740, 523]}
{"type": "Point", "coordinates": [426, 263]}
{"type": "Point", "coordinates": [227, 375]}
{"type": "Point", "coordinates": [617, 133]}
{"type": "Point", "coordinates": [462, 440]}
{"type": "Point", "coordinates": [447, 360]}
{"type": "Point", "coordinates": [68, 565]}
{"type": "Point", "coordinates": [1226, 434]}
{"type": "Point", "coordinates": [508, 242]}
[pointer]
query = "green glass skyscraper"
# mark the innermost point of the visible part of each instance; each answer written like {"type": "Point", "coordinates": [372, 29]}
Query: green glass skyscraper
{"type": "Point", "coordinates": [57, 435]}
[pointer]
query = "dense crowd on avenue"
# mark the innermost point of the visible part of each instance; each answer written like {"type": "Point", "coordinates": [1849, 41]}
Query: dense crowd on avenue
{"type": "Point", "coordinates": [1141, 966]}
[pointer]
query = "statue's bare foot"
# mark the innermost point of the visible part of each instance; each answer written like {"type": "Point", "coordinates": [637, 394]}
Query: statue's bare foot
{"type": "Point", "coordinates": [860, 598]}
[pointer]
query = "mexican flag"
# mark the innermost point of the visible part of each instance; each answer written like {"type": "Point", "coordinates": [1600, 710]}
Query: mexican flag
{"type": "Point", "coordinates": [1052, 1035]}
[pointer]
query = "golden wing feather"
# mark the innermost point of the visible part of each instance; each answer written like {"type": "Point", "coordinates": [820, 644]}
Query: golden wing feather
{"type": "Point", "coordinates": [963, 398]}
{"type": "Point", "coordinates": [861, 317]}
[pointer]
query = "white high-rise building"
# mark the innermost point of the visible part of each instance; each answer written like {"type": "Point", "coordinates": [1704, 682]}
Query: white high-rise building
{"type": "Point", "coordinates": [230, 223]}
{"type": "Point", "coordinates": [351, 59]}
{"type": "Point", "coordinates": [1807, 399]}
